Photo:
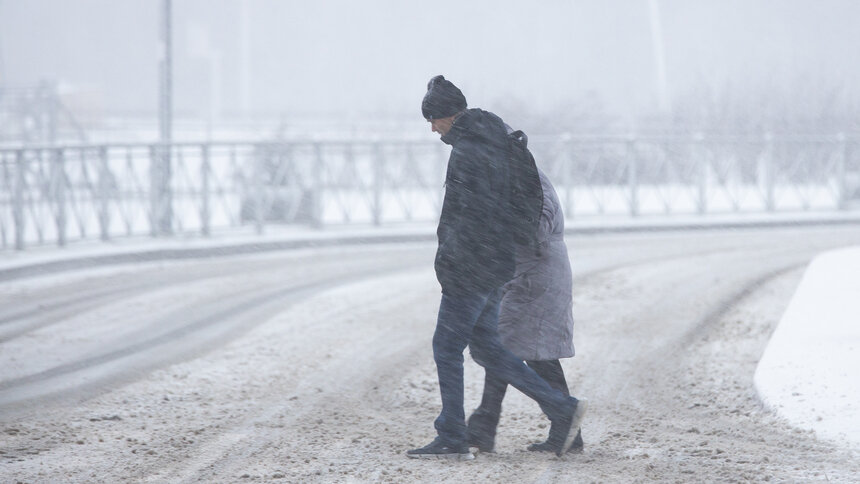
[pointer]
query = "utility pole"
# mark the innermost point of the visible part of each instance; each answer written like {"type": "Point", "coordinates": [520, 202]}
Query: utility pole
{"type": "Point", "coordinates": [244, 60]}
{"type": "Point", "coordinates": [160, 170]}
{"type": "Point", "coordinates": [658, 49]}
{"type": "Point", "coordinates": [2, 69]}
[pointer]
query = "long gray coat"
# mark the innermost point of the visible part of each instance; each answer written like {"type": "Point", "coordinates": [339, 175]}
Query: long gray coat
{"type": "Point", "coordinates": [536, 314]}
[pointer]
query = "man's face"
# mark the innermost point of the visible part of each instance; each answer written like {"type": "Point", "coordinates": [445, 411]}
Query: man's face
{"type": "Point", "coordinates": [442, 125]}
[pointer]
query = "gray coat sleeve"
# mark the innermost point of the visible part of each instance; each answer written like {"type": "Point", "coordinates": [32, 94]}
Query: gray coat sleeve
{"type": "Point", "coordinates": [552, 218]}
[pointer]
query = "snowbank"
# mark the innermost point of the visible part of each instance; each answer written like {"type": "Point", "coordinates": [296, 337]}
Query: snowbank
{"type": "Point", "coordinates": [810, 370]}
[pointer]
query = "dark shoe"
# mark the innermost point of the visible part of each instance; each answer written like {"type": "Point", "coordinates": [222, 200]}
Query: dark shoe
{"type": "Point", "coordinates": [481, 430]}
{"type": "Point", "coordinates": [546, 446]}
{"type": "Point", "coordinates": [439, 450]}
{"type": "Point", "coordinates": [561, 430]}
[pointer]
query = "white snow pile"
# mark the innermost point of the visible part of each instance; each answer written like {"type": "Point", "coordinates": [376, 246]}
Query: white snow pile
{"type": "Point", "coordinates": [810, 370]}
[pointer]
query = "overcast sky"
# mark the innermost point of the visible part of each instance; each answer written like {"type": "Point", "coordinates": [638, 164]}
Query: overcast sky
{"type": "Point", "coordinates": [375, 56]}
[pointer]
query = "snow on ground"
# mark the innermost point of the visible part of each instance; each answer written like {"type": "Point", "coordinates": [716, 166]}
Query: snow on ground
{"type": "Point", "coordinates": [808, 372]}
{"type": "Point", "coordinates": [334, 384]}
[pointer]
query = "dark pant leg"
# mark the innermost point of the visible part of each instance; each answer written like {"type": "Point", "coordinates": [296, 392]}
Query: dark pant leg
{"type": "Point", "coordinates": [487, 350]}
{"type": "Point", "coordinates": [454, 327]}
{"type": "Point", "coordinates": [494, 393]}
{"type": "Point", "coordinates": [552, 372]}
{"type": "Point", "coordinates": [495, 388]}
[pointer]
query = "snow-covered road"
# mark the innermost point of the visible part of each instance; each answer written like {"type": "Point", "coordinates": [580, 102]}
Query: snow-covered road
{"type": "Point", "coordinates": [315, 366]}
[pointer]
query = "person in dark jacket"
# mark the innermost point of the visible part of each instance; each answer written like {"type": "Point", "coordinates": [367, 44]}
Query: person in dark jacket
{"type": "Point", "coordinates": [474, 259]}
{"type": "Point", "coordinates": [535, 320]}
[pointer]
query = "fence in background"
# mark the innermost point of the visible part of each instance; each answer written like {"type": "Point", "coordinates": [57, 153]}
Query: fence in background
{"type": "Point", "coordinates": [52, 195]}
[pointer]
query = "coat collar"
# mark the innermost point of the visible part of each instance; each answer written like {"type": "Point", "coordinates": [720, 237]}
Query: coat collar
{"type": "Point", "coordinates": [462, 125]}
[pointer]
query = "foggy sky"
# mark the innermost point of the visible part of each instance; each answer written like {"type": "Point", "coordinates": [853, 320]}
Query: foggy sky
{"type": "Point", "coordinates": [374, 57]}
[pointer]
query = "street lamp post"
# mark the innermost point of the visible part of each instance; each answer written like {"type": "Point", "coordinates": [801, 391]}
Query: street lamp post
{"type": "Point", "coordinates": [658, 50]}
{"type": "Point", "coordinates": [160, 174]}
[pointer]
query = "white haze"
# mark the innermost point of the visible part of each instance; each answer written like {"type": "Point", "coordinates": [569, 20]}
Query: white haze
{"type": "Point", "coordinates": [374, 57]}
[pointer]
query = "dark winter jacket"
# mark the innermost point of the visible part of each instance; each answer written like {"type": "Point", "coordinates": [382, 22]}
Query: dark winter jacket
{"type": "Point", "coordinates": [475, 253]}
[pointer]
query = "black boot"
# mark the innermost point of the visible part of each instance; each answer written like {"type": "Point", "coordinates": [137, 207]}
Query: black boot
{"type": "Point", "coordinates": [564, 429]}
{"type": "Point", "coordinates": [440, 450]}
{"type": "Point", "coordinates": [546, 446]}
{"type": "Point", "coordinates": [481, 430]}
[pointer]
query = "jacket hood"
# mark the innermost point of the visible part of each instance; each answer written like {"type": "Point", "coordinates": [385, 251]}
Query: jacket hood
{"type": "Point", "coordinates": [477, 123]}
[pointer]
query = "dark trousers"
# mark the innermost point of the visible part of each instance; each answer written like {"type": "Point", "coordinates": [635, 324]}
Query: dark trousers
{"type": "Point", "coordinates": [495, 387]}
{"type": "Point", "coordinates": [471, 320]}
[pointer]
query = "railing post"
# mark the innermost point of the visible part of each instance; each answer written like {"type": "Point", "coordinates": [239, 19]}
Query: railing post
{"type": "Point", "coordinates": [258, 192]}
{"type": "Point", "coordinates": [153, 191]}
{"type": "Point", "coordinates": [6, 187]}
{"type": "Point", "coordinates": [104, 194]}
{"type": "Point", "coordinates": [18, 200]}
{"type": "Point", "coordinates": [166, 195]}
{"type": "Point", "coordinates": [698, 153]}
{"type": "Point", "coordinates": [842, 159]}
{"type": "Point", "coordinates": [566, 171]}
{"type": "Point", "coordinates": [768, 173]}
{"type": "Point", "coordinates": [161, 203]}
{"type": "Point", "coordinates": [58, 192]}
{"type": "Point", "coordinates": [632, 176]}
{"type": "Point", "coordinates": [235, 172]}
{"type": "Point", "coordinates": [204, 191]}
{"type": "Point", "coordinates": [317, 188]}
{"type": "Point", "coordinates": [378, 174]}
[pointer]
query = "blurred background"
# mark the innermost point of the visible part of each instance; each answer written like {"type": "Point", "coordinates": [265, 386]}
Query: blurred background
{"type": "Point", "coordinates": [698, 106]}
{"type": "Point", "coordinates": [547, 67]}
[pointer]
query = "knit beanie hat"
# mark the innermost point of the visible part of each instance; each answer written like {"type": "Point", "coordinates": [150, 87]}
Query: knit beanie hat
{"type": "Point", "coordinates": [443, 99]}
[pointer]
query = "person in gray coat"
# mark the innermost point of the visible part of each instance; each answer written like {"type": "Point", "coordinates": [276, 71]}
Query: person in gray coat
{"type": "Point", "coordinates": [535, 320]}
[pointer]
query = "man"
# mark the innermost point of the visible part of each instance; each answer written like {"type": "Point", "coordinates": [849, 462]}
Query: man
{"type": "Point", "coordinates": [475, 258]}
{"type": "Point", "coordinates": [535, 320]}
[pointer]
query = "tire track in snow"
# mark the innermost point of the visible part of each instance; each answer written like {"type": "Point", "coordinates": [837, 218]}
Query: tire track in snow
{"type": "Point", "coordinates": [230, 450]}
{"type": "Point", "coordinates": [52, 308]}
{"type": "Point", "coordinates": [231, 316]}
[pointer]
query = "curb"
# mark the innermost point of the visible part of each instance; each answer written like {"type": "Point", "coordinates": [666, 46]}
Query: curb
{"type": "Point", "coordinates": [321, 239]}
{"type": "Point", "coordinates": [151, 255]}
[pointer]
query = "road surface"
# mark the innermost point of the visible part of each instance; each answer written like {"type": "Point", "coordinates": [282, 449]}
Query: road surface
{"type": "Point", "coordinates": [316, 366]}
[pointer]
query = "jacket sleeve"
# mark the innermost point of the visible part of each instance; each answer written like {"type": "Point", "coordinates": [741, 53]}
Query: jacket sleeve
{"type": "Point", "coordinates": [551, 218]}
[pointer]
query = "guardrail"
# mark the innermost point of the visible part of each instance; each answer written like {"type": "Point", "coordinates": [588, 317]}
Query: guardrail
{"type": "Point", "coordinates": [55, 194]}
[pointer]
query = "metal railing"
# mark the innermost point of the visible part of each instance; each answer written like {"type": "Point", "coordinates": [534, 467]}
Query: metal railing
{"type": "Point", "coordinates": [55, 194]}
